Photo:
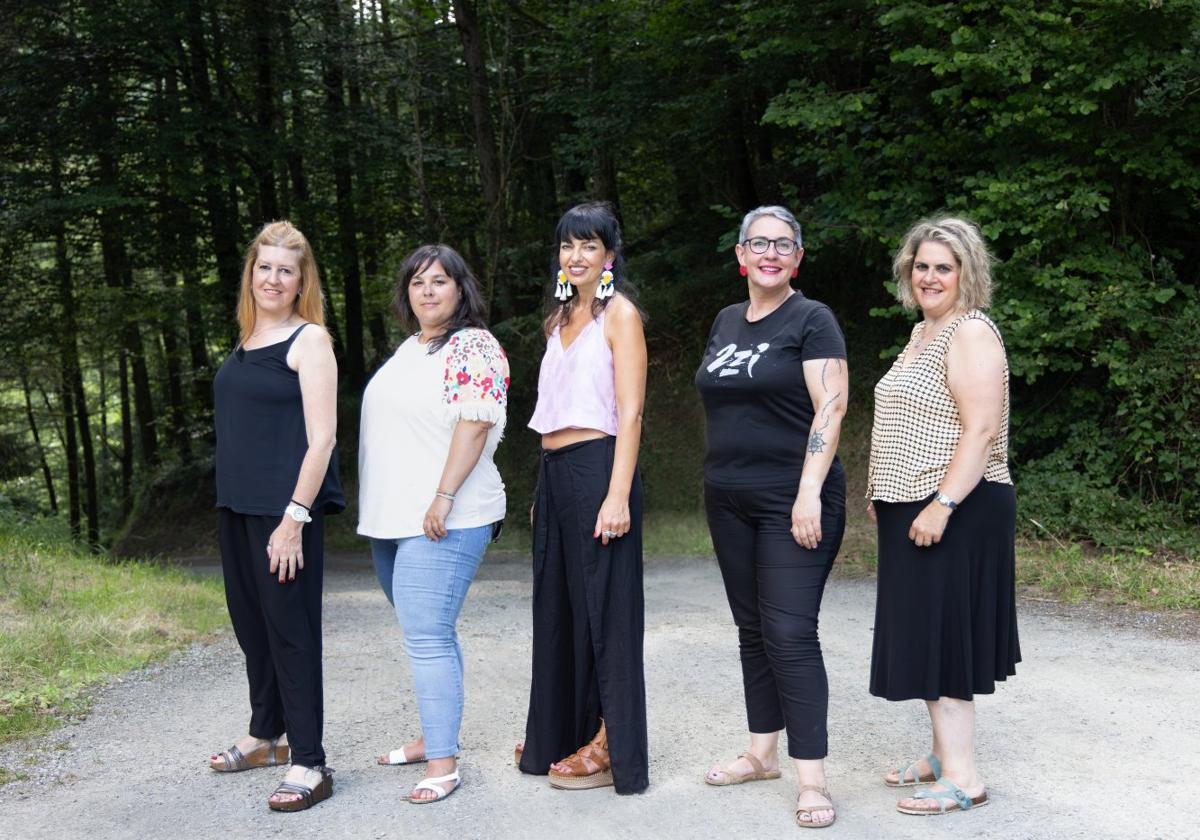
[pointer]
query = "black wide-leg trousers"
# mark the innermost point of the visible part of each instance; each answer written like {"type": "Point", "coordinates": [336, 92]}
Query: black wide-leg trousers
{"type": "Point", "coordinates": [588, 620]}
{"type": "Point", "coordinates": [278, 626]}
{"type": "Point", "coordinates": [774, 587]}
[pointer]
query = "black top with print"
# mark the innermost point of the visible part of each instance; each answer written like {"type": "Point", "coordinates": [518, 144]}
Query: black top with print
{"type": "Point", "coordinates": [756, 403]}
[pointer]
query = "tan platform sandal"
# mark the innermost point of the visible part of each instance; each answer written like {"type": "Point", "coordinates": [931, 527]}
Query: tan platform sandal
{"type": "Point", "coordinates": [590, 766]}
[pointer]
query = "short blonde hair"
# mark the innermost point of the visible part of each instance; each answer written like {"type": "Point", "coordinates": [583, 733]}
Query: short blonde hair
{"type": "Point", "coordinates": [310, 305]}
{"type": "Point", "coordinates": [963, 239]}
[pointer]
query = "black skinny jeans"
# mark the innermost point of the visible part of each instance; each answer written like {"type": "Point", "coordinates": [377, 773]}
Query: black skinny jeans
{"type": "Point", "coordinates": [774, 587]}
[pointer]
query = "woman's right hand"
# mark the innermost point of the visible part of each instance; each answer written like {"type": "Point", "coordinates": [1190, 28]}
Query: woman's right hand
{"type": "Point", "coordinates": [871, 511]}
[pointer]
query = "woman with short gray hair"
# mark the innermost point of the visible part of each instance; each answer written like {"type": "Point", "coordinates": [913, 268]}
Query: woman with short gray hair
{"type": "Point", "coordinates": [774, 384]}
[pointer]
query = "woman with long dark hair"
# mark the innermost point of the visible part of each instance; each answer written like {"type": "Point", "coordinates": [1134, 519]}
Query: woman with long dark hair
{"type": "Point", "coordinates": [587, 701]}
{"type": "Point", "coordinates": [429, 492]}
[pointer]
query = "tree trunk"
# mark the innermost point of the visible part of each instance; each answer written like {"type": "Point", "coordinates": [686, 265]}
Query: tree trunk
{"type": "Point", "coordinates": [72, 448]}
{"type": "Point", "coordinates": [467, 21]}
{"type": "Point", "coordinates": [118, 274]}
{"type": "Point", "coordinates": [222, 219]}
{"type": "Point", "coordinates": [262, 14]}
{"type": "Point", "coordinates": [339, 133]}
{"type": "Point", "coordinates": [182, 244]}
{"type": "Point", "coordinates": [72, 395]}
{"type": "Point", "coordinates": [37, 439]}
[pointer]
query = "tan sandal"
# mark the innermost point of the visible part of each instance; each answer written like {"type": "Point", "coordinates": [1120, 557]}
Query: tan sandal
{"type": "Point", "coordinates": [270, 754]}
{"type": "Point", "coordinates": [759, 774]}
{"type": "Point", "coordinates": [809, 809]}
{"type": "Point", "coordinates": [590, 766]}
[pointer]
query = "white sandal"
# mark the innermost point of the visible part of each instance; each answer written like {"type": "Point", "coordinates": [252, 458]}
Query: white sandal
{"type": "Point", "coordinates": [397, 756]}
{"type": "Point", "coordinates": [436, 785]}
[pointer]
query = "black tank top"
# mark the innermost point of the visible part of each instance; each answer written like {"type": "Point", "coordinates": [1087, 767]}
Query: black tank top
{"type": "Point", "coordinates": [261, 436]}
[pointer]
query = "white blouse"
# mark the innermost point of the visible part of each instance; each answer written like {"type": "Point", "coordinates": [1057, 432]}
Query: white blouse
{"type": "Point", "coordinates": [409, 412]}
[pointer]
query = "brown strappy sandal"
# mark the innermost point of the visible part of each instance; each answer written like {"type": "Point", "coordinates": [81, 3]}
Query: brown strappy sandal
{"type": "Point", "coordinates": [809, 809]}
{"type": "Point", "coordinates": [728, 777]}
{"type": "Point", "coordinates": [233, 760]}
{"type": "Point", "coordinates": [590, 766]}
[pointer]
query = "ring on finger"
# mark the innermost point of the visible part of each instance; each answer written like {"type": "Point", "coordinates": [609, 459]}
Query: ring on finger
{"type": "Point", "coordinates": [609, 534]}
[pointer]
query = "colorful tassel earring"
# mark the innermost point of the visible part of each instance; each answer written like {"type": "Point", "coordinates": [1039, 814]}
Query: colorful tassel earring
{"type": "Point", "coordinates": [742, 270]}
{"type": "Point", "coordinates": [563, 289]}
{"type": "Point", "coordinates": [606, 288]}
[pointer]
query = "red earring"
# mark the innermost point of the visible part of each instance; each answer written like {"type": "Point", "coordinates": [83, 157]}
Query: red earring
{"type": "Point", "coordinates": [796, 271]}
{"type": "Point", "coordinates": [742, 270]}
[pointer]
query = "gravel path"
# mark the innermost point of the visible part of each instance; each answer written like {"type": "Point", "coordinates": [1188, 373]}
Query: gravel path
{"type": "Point", "coordinates": [1095, 737]}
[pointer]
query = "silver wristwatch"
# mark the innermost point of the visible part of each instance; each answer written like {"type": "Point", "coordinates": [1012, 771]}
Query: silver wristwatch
{"type": "Point", "coordinates": [297, 512]}
{"type": "Point", "coordinates": [942, 499]}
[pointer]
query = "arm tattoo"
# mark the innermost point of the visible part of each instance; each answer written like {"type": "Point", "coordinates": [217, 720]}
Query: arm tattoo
{"type": "Point", "coordinates": [825, 367]}
{"type": "Point", "coordinates": [816, 440]}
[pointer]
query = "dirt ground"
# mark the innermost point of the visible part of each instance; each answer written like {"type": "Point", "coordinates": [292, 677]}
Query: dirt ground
{"type": "Point", "coordinates": [1095, 736]}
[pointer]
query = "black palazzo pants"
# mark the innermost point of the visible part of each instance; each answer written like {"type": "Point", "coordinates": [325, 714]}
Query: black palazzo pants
{"type": "Point", "coordinates": [588, 619]}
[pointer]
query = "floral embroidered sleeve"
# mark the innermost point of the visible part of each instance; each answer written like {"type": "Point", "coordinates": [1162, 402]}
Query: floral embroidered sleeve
{"type": "Point", "coordinates": [475, 381]}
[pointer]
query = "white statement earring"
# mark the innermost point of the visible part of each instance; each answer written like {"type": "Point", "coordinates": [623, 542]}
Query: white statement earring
{"type": "Point", "coordinates": [563, 289]}
{"type": "Point", "coordinates": [606, 288]}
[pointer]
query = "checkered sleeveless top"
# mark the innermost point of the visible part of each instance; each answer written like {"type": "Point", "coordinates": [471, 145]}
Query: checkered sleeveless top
{"type": "Point", "coordinates": [917, 426]}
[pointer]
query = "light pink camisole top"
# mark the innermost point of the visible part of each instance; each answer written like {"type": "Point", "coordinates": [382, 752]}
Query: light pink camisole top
{"type": "Point", "coordinates": [577, 386]}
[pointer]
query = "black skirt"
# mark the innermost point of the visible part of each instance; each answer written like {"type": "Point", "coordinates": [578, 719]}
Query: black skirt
{"type": "Point", "coordinates": [946, 615]}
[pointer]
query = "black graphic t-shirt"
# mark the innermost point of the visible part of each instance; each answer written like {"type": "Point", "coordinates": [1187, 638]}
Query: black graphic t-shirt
{"type": "Point", "coordinates": [755, 400]}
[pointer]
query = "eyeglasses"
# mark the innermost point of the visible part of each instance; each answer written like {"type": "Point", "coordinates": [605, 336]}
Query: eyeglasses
{"type": "Point", "coordinates": [783, 246]}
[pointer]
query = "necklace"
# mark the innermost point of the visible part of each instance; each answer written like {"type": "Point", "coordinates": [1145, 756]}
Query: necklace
{"type": "Point", "coordinates": [287, 323]}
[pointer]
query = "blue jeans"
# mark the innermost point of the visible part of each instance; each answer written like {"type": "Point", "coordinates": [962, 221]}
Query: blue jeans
{"type": "Point", "coordinates": [427, 582]}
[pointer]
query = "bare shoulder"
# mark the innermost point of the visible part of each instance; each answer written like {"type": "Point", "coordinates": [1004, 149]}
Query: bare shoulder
{"type": "Point", "coordinates": [314, 335]}
{"type": "Point", "coordinates": [976, 336]}
{"type": "Point", "coordinates": [313, 344]}
{"type": "Point", "coordinates": [622, 313]}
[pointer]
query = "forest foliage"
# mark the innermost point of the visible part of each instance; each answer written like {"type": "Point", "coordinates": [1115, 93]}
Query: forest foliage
{"type": "Point", "coordinates": [143, 142]}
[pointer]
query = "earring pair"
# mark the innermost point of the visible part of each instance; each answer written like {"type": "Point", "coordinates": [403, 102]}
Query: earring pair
{"type": "Point", "coordinates": [563, 288]}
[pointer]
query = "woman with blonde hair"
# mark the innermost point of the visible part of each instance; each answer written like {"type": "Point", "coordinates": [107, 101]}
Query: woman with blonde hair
{"type": "Point", "coordinates": [943, 500]}
{"type": "Point", "coordinates": [276, 417]}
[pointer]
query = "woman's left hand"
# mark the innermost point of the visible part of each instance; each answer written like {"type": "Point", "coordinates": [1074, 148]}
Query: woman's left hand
{"type": "Point", "coordinates": [434, 525]}
{"type": "Point", "coordinates": [613, 520]}
{"type": "Point", "coordinates": [283, 549]}
{"type": "Point", "coordinates": [806, 520]}
{"type": "Point", "coordinates": [927, 528]}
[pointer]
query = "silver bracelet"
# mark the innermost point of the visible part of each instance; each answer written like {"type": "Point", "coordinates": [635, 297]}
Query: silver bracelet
{"type": "Point", "coordinates": [444, 495]}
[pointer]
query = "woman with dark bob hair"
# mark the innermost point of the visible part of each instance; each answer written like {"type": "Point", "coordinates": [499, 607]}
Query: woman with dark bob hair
{"type": "Point", "coordinates": [943, 500]}
{"type": "Point", "coordinates": [587, 700]}
{"type": "Point", "coordinates": [430, 497]}
{"type": "Point", "coordinates": [276, 418]}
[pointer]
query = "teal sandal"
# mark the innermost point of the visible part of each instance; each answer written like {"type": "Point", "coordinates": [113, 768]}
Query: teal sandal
{"type": "Point", "coordinates": [918, 779]}
{"type": "Point", "coordinates": [953, 798]}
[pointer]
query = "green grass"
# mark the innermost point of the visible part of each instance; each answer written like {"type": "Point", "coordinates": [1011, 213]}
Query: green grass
{"type": "Point", "coordinates": [1074, 573]}
{"type": "Point", "coordinates": [70, 621]}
